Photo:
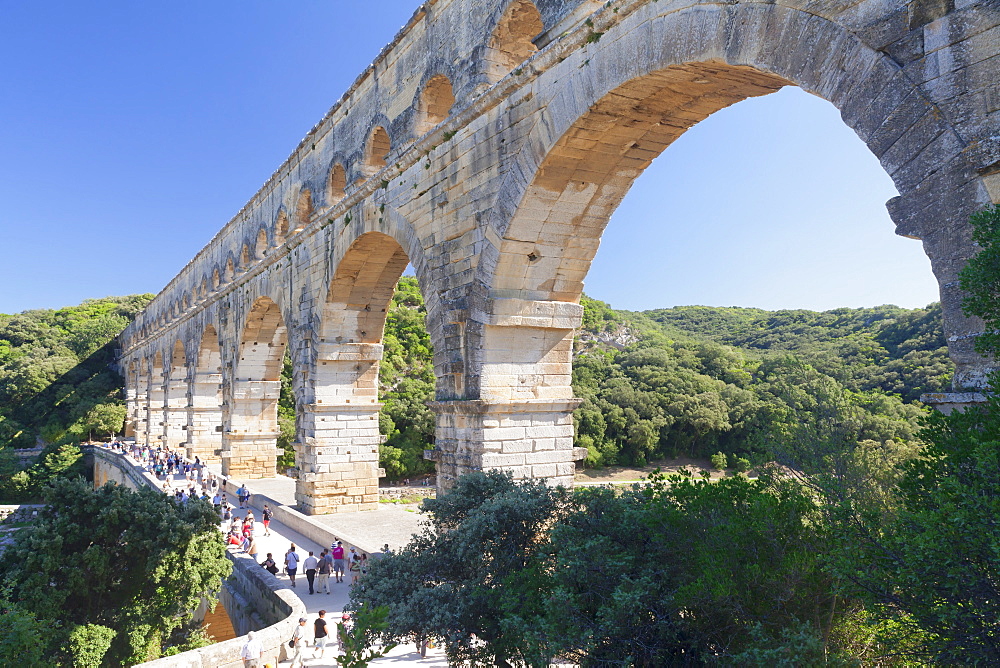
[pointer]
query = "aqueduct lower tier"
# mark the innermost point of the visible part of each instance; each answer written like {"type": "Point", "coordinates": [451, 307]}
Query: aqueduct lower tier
{"type": "Point", "coordinates": [487, 146]}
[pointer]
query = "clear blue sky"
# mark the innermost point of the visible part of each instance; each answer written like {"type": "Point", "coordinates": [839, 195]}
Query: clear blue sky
{"type": "Point", "coordinates": [130, 132]}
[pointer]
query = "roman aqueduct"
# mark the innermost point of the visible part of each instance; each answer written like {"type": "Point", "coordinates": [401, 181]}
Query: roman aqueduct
{"type": "Point", "coordinates": [487, 146]}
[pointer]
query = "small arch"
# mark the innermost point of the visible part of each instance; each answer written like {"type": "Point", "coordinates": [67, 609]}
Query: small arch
{"type": "Point", "coordinates": [230, 271]}
{"type": "Point", "coordinates": [264, 329]}
{"type": "Point", "coordinates": [203, 288]}
{"type": "Point", "coordinates": [377, 151]}
{"type": "Point", "coordinates": [510, 45]}
{"type": "Point", "coordinates": [216, 279]}
{"type": "Point", "coordinates": [245, 258]}
{"type": "Point", "coordinates": [178, 359]}
{"type": "Point", "coordinates": [260, 249]}
{"type": "Point", "coordinates": [435, 103]}
{"type": "Point", "coordinates": [337, 185]}
{"type": "Point", "coordinates": [303, 210]}
{"type": "Point", "coordinates": [281, 228]}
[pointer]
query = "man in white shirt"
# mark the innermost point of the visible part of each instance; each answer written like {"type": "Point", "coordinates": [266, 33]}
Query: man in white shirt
{"type": "Point", "coordinates": [291, 563]}
{"type": "Point", "coordinates": [251, 652]}
{"type": "Point", "coordinates": [310, 565]}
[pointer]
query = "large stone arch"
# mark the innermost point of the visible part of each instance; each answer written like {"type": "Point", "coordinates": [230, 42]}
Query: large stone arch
{"type": "Point", "coordinates": [337, 427]}
{"type": "Point", "coordinates": [641, 88]}
{"type": "Point", "coordinates": [250, 429]}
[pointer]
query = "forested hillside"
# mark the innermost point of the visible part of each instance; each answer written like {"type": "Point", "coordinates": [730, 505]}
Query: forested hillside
{"type": "Point", "coordinates": [685, 381]}
{"type": "Point", "coordinates": [55, 383]}
{"type": "Point", "coordinates": [692, 381]}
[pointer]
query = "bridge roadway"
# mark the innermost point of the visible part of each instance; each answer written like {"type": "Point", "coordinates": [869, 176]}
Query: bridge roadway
{"type": "Point", "coordinates": [282, 536]}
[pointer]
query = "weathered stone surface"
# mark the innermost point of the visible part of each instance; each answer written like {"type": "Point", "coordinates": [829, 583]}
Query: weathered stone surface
{"type": "Point", "coordinates": [487, 146]}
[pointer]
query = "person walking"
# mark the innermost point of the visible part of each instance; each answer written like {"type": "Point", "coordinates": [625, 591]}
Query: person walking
{"type": "Point", "coordinates": [310, 565]}
{"type": "Point", "coordinates": [321, 634]}
{"type": "Point", "coordinates": [251, 652]}
{"type": "Point", "coordinates": [299, 643]}
{"type": "Point", "coordinates": [266, 518]}
{"type": "Point", "coordinates": [291, 563]}
{"type": "Point", "coordinates": [323, 570]}
{"type": "Point", "coordinates": [338, 561]}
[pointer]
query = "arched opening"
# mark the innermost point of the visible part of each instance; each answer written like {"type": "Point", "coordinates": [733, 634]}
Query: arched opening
{"type": "Point", "coordinates": [260, 248]}
{"type": "Point", "coordinates": [230, 272]}
{"type": "Point", "coordinates": [245, 258]}
{"type": "Point", "coordinates": [435, 103]}
{"type": "Point", "coordinates": [303, 210]}
{"type": "Point", "coordinates": [176, 399]}
{"type": "Point", "coordinates": [578, 190]}
{"type": "Point", "coordinates": [251, 430]}
{"type": "Point", "coordinates": [341, 415]}
{"type": "Point", "coordinates": [510, 45]}
{"type": "Point", "coordinates": [281, 228]}
{"type": "Point", "coordinates": [377, 151]}
{"type": "Point", "coordinates": [205, 411]}
{"type": "Point", "coordinates": [216, 279]}
{"type": "Point", "coordinates": [337, 184]}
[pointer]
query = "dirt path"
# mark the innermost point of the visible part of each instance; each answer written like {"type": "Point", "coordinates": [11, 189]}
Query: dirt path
{"type": "Point", "coordinates": [618, 474]}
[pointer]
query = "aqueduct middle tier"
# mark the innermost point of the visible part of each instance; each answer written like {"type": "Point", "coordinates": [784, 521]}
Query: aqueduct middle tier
{"type": "Point", "coordinates": [487, 146]}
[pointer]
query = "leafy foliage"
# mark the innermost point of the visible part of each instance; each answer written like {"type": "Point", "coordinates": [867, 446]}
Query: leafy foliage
{"type": "Point", "coordinates": [55, 379]}
{"type": "Point", "coordinates": [135, 562]}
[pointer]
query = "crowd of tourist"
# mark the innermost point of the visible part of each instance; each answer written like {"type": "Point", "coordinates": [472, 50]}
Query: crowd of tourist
{"type": "Point", "coordinates": [199, 482]}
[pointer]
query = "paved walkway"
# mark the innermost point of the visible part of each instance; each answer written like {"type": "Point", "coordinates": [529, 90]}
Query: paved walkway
{"type": "Point", "coordinates": [281, 539]}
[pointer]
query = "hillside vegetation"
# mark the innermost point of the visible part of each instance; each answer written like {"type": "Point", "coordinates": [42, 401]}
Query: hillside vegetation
{"type": "Point", "coordinates": [685, 381]}
{"type": "Point", "coordinates": [693, 381]}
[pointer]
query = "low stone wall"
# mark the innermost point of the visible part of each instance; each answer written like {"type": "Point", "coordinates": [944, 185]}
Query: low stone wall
{"type": "Point", "coordinates": [256, 601]}
{"type": "Point", "coordinates": [23, 512]}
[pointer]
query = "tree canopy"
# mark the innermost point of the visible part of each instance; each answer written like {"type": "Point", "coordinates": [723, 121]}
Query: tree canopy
{"type": "Point", "coordinates": [118, 568]}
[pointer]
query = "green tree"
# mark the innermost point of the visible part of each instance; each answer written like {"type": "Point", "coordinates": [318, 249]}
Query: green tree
{"type": "Point", "coordinates": [471, 561]}
{"type": "Point", "coordinates": [136, 562]}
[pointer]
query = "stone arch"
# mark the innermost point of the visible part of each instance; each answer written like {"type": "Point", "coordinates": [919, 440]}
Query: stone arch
{"type": "Point", "coordinates": [245, 258]}
{"type": "Point", "coordinates": [434, 104]}
{"type": "Point", "coordinates": [281, 228]}
{"type": "Point", "coordinates": [216, 279]}
{"type": "Point", "coordinates": [342, 415]}
{"type": "Point", "coordinates": [251, 427]}
{"type": "Point", "coordinates": [638, 100]}
{"type": "Point", "coordinates": [511, 42]}
{"type": "Point", "coordinates": [229, 273]}
{"type": "Point", "coordinates": [376, 151]}
{"type": "Point", "coordinates": [336, 184]}
{"type": "Point", "coordinates": [260, 248]}
{"type": "Point", "coordinates": [203, 288]}
{"type": "Point", "coordinates": [303, 210]}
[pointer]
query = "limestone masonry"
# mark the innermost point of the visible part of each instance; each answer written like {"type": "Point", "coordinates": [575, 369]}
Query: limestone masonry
{"type": "Point", "coordinates": [487, 146]}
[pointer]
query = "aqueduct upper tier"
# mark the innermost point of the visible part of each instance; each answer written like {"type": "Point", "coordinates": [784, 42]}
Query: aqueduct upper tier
{"type": "Point", "coordinates": [487, 146]}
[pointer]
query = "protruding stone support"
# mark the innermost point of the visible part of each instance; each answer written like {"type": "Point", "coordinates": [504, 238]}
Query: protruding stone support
{"type": "Point", "coordinates": [175, 413]}
{"type": "Point", "coordinates": [529, 439]}
{"type": "Point", "coordinates": [523, 420]}
{"type": "Point", "coordinates": [204, 419]}
{"type": "Point", "coordinates": [338, 469]}
{"type": "Point", "coordinates": [338, 444]}
{"type": "Point", "coordinates": [249, 445]}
